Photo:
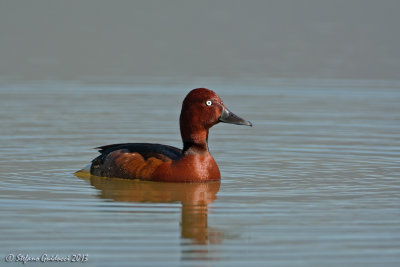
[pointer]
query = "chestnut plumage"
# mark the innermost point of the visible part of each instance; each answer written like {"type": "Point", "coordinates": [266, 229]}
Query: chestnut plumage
{"type": "Point", "coordinates": [201, 109]}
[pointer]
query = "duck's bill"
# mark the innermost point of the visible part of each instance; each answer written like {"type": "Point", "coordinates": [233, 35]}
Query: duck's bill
{"type": "Point", "coordinates": [228, 117]}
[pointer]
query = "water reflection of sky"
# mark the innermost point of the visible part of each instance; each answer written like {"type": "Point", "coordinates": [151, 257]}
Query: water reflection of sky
{"type": "Point", "coordinates": [314, 181]}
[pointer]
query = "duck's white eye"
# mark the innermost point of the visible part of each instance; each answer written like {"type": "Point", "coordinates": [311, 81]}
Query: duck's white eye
{"type": "Point", "coordinates": [209, 103]}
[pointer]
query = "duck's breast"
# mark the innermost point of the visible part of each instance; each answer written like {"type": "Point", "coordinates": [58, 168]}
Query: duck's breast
{"type": "Point", "coordinates": [189, 168]}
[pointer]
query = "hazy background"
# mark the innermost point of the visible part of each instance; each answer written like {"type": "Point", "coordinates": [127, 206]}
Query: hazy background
{"type": "Point", "coordinates": [77, 40]}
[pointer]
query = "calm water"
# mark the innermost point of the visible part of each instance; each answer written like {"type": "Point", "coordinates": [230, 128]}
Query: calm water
{"type": "Point", "coordinates": [314, 182]}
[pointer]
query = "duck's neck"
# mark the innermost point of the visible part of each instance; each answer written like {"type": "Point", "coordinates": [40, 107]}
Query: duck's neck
{"type": "Point", "coordinates": [195, 141]}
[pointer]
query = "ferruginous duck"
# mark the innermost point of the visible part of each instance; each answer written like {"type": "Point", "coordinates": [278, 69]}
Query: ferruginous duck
{"type": "Point", "coordinates": [201, 109]}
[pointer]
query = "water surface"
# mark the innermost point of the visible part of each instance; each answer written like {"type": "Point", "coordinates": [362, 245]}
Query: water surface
{"type": "Point", "coordinates": [314, 182]}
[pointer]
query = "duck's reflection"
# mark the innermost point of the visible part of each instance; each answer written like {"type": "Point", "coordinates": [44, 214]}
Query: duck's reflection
{"type": "Point", "coordinates": [194, 197]}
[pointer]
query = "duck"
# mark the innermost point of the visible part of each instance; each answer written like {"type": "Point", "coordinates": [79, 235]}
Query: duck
{"type": "Point", "coordinates": [201, 109]}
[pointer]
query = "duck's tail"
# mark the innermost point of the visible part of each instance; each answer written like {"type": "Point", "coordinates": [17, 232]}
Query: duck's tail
{"type": "Point", "coordinates": [85, 172]}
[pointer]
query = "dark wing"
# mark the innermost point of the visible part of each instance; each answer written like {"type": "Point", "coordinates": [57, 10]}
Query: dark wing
{"type": "Point", "coordinates": [162, 152]}
{"type": "Point", "coordinates": [132, 160]}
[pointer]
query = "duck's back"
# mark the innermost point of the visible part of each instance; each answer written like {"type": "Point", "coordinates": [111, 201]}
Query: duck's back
{"type": "Point", "coordinates": [132, 160]}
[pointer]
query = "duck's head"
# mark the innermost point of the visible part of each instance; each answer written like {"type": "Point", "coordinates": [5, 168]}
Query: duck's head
{"type": "Point", "coordinates": [202, 109]}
